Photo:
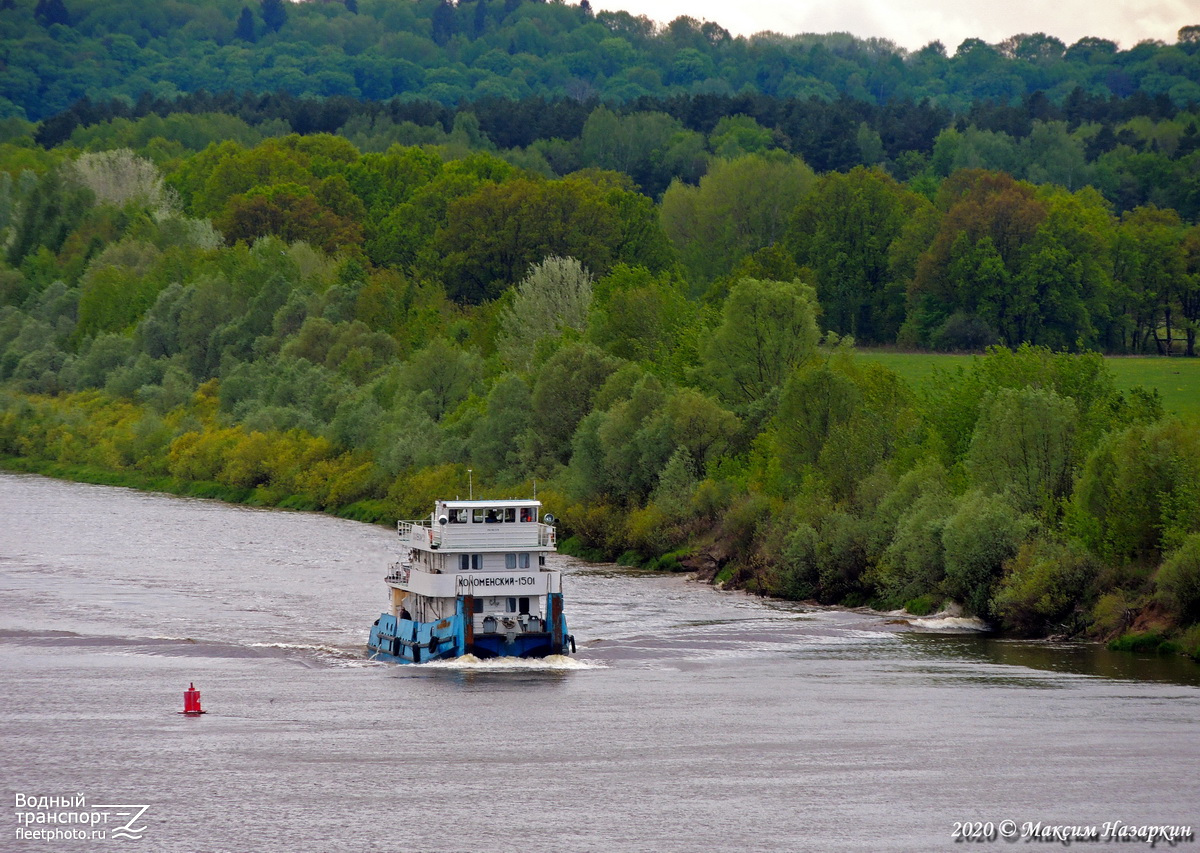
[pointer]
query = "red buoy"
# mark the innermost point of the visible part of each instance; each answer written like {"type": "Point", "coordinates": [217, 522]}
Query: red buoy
{"type": "Point", "coordinates": [191, 701]}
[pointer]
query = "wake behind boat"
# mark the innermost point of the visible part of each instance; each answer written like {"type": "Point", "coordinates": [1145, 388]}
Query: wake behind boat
{"type": "Point", "coordinates": [474, 582]}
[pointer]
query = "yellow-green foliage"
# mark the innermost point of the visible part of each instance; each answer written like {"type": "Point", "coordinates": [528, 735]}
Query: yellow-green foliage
{"type": "Point", "coordinates": [1113, 613]}
{"type": "Point", "coordinates": [648, 530]}
{"type": "Point", "coordinates": [414, 493]}
{"type": "Point", "coordinates": [597, 523]}
{"type": "Point", "coordinates": [91, 429]}
{"type": "Point", "coordinates": [84, 429]}
{"type": "Point", "coordinates": [1189, 642]}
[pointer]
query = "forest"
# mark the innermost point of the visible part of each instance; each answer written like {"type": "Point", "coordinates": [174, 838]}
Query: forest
{"type": "Point", "coordinates": [59, 51]}
{"type": "Point", "coordinates": [647, 301]}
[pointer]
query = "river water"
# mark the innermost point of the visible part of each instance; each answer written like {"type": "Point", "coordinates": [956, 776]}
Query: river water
{"type": "Point", "coordinates": [690, 720]}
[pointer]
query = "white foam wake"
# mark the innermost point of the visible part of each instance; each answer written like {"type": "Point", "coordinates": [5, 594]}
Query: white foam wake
{"type": "Point", "coordinates": [511, 664]}
{"type": "Point", "coordinates": [308, 647]}
{"type": "Point", "coordinates": [950, 624]}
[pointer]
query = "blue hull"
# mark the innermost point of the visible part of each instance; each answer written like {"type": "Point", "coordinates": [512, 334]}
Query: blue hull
{"type": "Point", "coordinates": [409, 641]}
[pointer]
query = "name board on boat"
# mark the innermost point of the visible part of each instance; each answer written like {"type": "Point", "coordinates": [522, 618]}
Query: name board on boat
{"type": "Point", "coordinates": [497, 583]}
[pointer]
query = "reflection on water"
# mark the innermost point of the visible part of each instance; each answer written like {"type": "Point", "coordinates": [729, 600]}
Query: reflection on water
{"type": "Point", "coordinates": [1074, 658]}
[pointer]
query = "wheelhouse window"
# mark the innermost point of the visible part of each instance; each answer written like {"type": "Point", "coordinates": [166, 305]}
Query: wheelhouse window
{"type": "Point", "coordinates": [477, 515]}
{"type": "Point", "coordinates": [458, 516]}
{"type": "Point", "coordinates": [528, 513]}
{"type": "Point", "coordinates": [500, 515]}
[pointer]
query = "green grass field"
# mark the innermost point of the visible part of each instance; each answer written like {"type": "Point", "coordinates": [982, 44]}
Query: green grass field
{"type": "Point", "coordinates": [1177, 379]}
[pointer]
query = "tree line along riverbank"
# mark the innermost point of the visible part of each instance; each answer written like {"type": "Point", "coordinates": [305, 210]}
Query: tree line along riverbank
{"type": "Point", "coordinates": [210, 305]}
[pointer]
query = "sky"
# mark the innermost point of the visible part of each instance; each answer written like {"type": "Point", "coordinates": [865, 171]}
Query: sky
{"type": "Point", "coordinates": [918, 22]}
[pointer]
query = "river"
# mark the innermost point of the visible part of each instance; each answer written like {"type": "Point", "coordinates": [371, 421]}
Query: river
{"type": "Point", "coordinates": [690, 720]}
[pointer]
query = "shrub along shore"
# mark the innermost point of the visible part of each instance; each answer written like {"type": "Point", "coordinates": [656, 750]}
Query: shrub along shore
{"type": "Point", "coordinates": [1019, 485]}
{"type": "Point", "coordinates": [648, 307]}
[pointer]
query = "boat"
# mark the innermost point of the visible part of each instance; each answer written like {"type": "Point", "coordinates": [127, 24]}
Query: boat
{"type": "Point", "coordinates": [473, 581]}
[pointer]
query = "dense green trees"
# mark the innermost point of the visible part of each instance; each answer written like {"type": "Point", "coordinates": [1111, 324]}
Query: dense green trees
{"type": "Point", "coordinates": [451, 53]}
{"type": "Point", "coordinates": [493, 235]}
{"type": "Point", "coordinates": [993, 259]}
{"type": "Point", "coordinates": [844, 232]}
{"type": "Point", "coordinates": [836, 421]}
{"type": "Point", "coordinates": [649, 307]}
{"type": "Point", "coordinates": [767, 329]}
{"type": "Point", "coordinates": [563, 89]}
{"type": "Point", "coordinates": [740, 206]}
{"type": "Point", "coordinates": [1136, 495]}
{"type": "Point", "coordinates": [552, 300]}
{"type": "Point", "coordinates": [1022, 447]}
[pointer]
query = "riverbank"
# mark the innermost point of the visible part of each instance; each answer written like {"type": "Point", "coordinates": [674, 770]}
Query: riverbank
{"type": "Point", "coordinates": [715, 561]}
{"type": "Point", "coordinates": [692, 720]}
{"type": "Point", "coordinates": [368, 511]}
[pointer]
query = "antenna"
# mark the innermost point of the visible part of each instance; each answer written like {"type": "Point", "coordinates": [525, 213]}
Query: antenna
{"type": "Point", "coordinates": [470, 486]}
{"type": "Point", "coordinates": [535, 488]}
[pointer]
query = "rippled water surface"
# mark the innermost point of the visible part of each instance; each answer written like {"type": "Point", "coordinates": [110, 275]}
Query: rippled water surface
{"type": "Point", "coordinates": [690, 720]}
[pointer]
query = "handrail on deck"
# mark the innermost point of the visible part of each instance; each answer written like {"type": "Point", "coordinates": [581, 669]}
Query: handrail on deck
{"type": "Point", "coordinates": [547, 537]}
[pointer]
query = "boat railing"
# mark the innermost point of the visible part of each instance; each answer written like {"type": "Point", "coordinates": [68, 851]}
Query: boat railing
{"type": "Point", "coordinates": [398, 573]}
{"type": "Point", "coordinates": [410, 531]}
{"type": "Point", "coordinates": [425, 532]}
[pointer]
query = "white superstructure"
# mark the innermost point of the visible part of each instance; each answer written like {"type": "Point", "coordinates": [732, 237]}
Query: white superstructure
{"type": "Point", "coordinates": [482, 565]}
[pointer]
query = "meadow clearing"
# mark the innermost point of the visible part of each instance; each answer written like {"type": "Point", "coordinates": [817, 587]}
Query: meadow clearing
{"type": "Point", "coordinates": [1177, 379]}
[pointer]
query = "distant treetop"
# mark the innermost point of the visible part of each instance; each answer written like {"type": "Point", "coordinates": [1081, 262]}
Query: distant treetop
{"type": "Point", "coordinates": [455, 53]}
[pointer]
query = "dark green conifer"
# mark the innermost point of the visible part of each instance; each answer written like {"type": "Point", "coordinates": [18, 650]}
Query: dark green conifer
{"type": "Point", "coordinates": [245, 25]}
{"type": "Point", "coordinates": [50, 12]}
{"type": "Point", "coordinates": [445, 25]}
{"type": "Point", "coordinates": [274, 14]}
{"type": "Point", "coordinates": [479, 25]}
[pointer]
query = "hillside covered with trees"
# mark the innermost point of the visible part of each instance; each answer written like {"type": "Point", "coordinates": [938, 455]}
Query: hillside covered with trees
{"type": "Point", "coordinates": [58, 51]}
{"type": "Point", "coordinates": [645, 299]}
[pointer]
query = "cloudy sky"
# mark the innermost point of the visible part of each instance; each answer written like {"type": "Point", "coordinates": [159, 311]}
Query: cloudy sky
{"type": "Point", "coordinates": [916, 23]}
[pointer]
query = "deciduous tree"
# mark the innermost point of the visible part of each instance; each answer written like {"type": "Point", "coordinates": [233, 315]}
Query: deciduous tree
{"type": "Point", "coordinates": [555, 296]}
{"type": "Point", "coordinates": [767, 328]}
{"type": "Point", "coordinates": [494, 235]}
{"type": "Point", "coordinates": [844, 231]}
{"type": "Point", "coordinates": [740, 206]}
{"type": "Point", "coordinates": [1023, 448]}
